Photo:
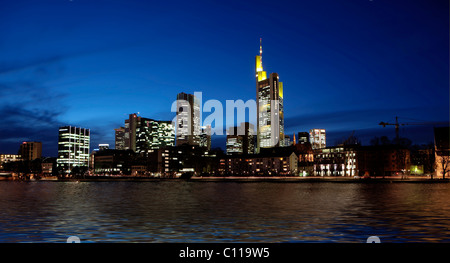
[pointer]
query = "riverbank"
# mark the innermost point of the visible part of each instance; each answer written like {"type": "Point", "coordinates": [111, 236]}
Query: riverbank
{"type": "Point", "coordinates": [321, 179]}
{"type": "Point", "coordinates": [283, 179]}
{"type": "Point", "coordinates": [249, 179]}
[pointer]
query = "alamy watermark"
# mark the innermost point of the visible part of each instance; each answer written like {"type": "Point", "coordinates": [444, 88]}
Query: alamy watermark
{"type": "Point", "coordinates": [373, 239]}
{"type": "Point", "coordinates": [73, 239]}
{"type": "Point", "coordinates": [191, 110]}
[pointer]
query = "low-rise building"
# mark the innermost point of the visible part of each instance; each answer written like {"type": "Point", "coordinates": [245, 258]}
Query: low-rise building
{"type": "Point", "coordinates": [6, 158]}
{"type": "Point", "coordinates": [269, 162]}
{"type": "Point", "coordinates": [49, 166]}
{"type": "Point", "coordinates": [335, 161]}
{"type": "Point", "coordinates": [422, 161]}
{"type": "Point", "coordinates": [113, 162]}
{"type": "Point", "coordinates": [172, 161]}
{"type": "Point", "coordinates": [358, 160]}
{"type": "Point", "coordinates": [384, 160]}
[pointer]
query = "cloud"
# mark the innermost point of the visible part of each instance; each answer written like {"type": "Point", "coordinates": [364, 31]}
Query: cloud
{"type": "Point", "coordinates": [11, 67]}
{"type": "Point", "coordinates": [29, 109]}
{"type": "Point", "coordinates": [28, 125]}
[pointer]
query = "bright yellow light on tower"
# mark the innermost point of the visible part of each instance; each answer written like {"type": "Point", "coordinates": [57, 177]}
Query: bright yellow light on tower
{"type": "Point", "coordinates": [259, 67]}
{"type": "Point", "coordinates": [262, 75]}
{"type": "Point", "coordinates": [280, 89]}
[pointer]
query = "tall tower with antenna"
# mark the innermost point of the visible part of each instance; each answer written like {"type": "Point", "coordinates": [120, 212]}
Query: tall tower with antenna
{"type": "Point", "coordinates": [269, 104]}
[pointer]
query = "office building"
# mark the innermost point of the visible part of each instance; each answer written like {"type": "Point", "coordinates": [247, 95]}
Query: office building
{"type": "Point", "coordinates": [273, 161]}
{"type": "Point", "coordinates": [240, 140]}
{"type": "Point", "coordinates": [269, 102]}
{"type": "Point", "coordinates": [7, 158]}
{"type": "Point", "coordinates": [205, 137]}
{"type": "Point", "coordinates": [103, 146]}
{"type": "Point", "coordinates": [113, 162]}
{"type": "Point", "coordinates": [355, 160]}
{"type": "Point", "coordinates": [287, 140]}
{"type": "Point", "coordinates": [73, 148]}
{"type": "Point", "coordinates": [188, 120]}
{"type": "Point", "coordinates": [154, 134]}
{"type": "Point", "coordinates": [30, 150]}
{"type": "Point", "coordinates": [143, 134]}
{"type": "Point", "coordinates": [303, 137]}
{"type": "Point", "coordinates": [130, 132]}
{"type": "Point", "coordinates": [317, 138]}
{"type": "Point", "coordinates": [336, 161]}
{"type": "Point", "coordinates": [120, 138]}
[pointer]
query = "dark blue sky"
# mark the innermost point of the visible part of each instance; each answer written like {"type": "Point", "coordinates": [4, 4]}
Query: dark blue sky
{"type": "Point", "coordinates": [346, 65]}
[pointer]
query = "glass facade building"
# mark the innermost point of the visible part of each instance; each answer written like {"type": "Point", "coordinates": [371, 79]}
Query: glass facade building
{"type": "Point", "coordinates": [152, 134]}
{"type": "Point", "coordinates": [240, 140]}
{"type": "Point", "coordinates": [188, 120]}
{"type": "Point", "coordinates": [73, 148]}
{"type": "Point", "coordinates": [317, 138]}
{"type": "Point", "coordinates": [144, 134]}
{"type": "Point", "coordinates": [270, 113]}
{"type": "Point", "coordinates": [205, 137]}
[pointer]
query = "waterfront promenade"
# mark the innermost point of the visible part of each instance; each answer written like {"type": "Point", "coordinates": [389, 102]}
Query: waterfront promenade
{"type": "Point", "coordinates": [245, 179]}
{"type": "Point", "coordinates": [237, 178]}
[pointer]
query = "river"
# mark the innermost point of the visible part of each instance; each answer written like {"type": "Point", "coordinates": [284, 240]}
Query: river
{"type": "Point", "coordinates": [184, 211]}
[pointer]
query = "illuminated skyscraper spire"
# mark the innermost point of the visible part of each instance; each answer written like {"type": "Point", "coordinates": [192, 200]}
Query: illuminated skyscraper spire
{"type": "Point", "coordinates": [270, 113]}
{"type": "Point", "coordinates": [260, 73]}
{"type": "Point", "coordinates": [260, 52]}
{"type": "Point", "coordinates": [260, 47]}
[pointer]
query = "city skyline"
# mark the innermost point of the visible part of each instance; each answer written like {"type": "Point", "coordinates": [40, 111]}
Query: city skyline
{"type": "Point", "coordinates": [356, 65]}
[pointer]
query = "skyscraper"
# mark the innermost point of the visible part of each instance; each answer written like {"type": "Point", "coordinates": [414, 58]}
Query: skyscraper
{"type": "Point", "coordinates": [317, 138]}
{"type": "Point", "coordinates": [240, 140]}
{"type": "Point", "coordinates": [130, 132]}
{"type": "Point", "coordinates": [269, 102]}
{"type": "Point", "coordinates": [143, 134]}
{"type": "Point", "coordinates": [73, 148]}
{"type": "Point", "coordinates": [188, 121]}
{"type": "Point", "coordinates": [153, 134]}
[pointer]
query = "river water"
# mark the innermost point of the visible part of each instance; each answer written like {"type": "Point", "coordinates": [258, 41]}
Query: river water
{"type": "Point", "coordinates": [182, 211]}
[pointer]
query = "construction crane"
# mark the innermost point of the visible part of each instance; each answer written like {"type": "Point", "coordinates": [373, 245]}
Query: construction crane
{"type": "Point", "coordinates": [397, 125]}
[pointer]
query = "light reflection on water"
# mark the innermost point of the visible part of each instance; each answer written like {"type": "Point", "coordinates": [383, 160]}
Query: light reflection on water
{"type": "Point", "coordinates": [179, 211]}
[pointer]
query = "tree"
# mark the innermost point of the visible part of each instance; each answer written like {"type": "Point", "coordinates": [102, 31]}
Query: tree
{"type": "Point", "coordinates": [444, 163]}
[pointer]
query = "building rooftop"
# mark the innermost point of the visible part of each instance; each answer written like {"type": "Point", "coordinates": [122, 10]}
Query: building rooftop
{"type": "Point", "coordinates": [441, 138]}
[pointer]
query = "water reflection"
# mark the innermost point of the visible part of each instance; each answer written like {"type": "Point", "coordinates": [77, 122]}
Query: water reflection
{"type": "Point", "coordinates": [182, 211]}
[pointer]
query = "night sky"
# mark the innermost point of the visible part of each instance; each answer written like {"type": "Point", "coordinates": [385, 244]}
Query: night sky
{"type": "Point", "coordinates": [346, 65]}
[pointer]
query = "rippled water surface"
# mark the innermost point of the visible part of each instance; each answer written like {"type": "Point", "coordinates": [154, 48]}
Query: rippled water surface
{"type": "Point", "coordinates": [180, 211]}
